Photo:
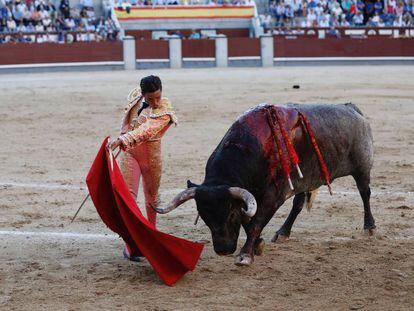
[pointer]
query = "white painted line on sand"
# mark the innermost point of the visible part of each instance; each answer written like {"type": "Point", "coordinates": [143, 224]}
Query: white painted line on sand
{"type": "Point", "coordinates": [97, 236]}
{"type": "Point", "coordinates": [60, 235]}
{"type": "Point", "coordinates": [39, 185]}
{"type": "Point", "coordinates": [52, 186]}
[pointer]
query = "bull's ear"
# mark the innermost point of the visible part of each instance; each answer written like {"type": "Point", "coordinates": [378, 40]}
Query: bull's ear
{"type": "Point", "coordinates": [191, 185]}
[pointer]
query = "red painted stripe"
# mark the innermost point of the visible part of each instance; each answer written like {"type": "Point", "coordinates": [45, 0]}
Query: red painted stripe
{"type": "Point", "coordinates": [186, 8]}
{"type": "Point", "coordinates": [192, 17]}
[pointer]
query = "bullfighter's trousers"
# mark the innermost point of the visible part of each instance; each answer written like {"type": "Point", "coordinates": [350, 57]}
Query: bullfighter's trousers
{"type": "Point", "coordinates": [144, 161]}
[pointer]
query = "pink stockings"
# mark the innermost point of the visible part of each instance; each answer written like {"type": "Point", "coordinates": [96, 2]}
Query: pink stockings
{"type": "Point", "coordinates": [144, 160]}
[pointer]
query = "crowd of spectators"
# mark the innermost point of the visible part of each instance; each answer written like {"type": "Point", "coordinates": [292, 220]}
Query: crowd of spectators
{"type": "Point", "coordinates": [41, 21]}
{"type": "Point", "coordinates": [336, 13]}
{"type": "Point", "coordinates": [126, 4]}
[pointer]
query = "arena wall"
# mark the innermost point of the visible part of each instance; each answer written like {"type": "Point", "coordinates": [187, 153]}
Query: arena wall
{"type": "Point", "coordinates": [344, 47]}
{"type": "Point", "coordinates": [32, 53]}
{"type": "Point", "coordinates": [26, 53]}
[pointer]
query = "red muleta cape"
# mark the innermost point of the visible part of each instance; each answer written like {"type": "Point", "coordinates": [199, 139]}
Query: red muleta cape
{"type": "Point", "coordinates": [170, 256]}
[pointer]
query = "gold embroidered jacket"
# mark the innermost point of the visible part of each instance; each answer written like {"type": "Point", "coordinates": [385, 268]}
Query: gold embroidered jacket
{"type": "Point", "coordinates": [151, 123]}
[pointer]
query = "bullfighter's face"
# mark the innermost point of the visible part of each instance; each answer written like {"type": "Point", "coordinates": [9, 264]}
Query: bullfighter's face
{"type": "Point", "coordinates": [153, 99]}
{"type": "Point", "coordinates": [222, 214]}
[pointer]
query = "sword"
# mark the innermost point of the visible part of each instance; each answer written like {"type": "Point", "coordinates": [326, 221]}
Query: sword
{"type": "Point", "coordinates": [88, 196]}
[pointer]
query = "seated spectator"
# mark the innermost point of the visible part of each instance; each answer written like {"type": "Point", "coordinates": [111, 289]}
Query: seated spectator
{"type": "Point", "coordinates": [21, 28]}
{"type": "Point", "coordinates": [360, 6]}
{"type": "Point", "coordinates": [70, 24]}
{"type": "Point", "coordinates": [353, 9]}
{"type": "Point", "coordinates": [11, 25]}
{"type": "Point", "coordinates": [369, 10]}
{"type": "Point", "coordinates": [346, 5]}
{"type": "Point", "coordinates": [47, 21]}
{"type": "Point", "coordinates": [381, 23]}
{"type": "Point", "coordinates": [30, 28]}
{"type": "Point", "coordinates": [60, 22]}
{"type": "Point", "coordinates": [289, 14]}
{"type": "Point", "coordinates": [311, 18]}
{"type": "Point", "coordinates": [324, 21]}
{"type": "Point", "coordinates": [319, 10]}
{"type": "Point", "coordinates": [124, 5]}
{"type": "Point", "coordinates": [334, 32]}
{"type": "Point", "coordinates": [280, 12]}
{"type": "Point", "coordinates": [311, 5]}
{"type": "Point", "coordinates": [177, 33]}
{"type": "Point", "coordinates": [375, 19]}
{"type": "Point", "coordinates": [39, 28]}
{"type": "Point", "coordinates": [408, 6]}
{"type": "Point", "coordinates": [392, 4]}
{"type": "Point", "coordinates": [86, 4]}
{"type": "Point", "coordinates": [343, 22]}
{"type": "Point", "coordinates": [358, 19]}
{"type": "Point", "coordinates": [64, 8]}
{"type": "Point", "coordinates": [297, 8]}
{"type": "Point", "coordinates": [408, 20]}
{"type": "Point", "coordinates": [194, 35]}
{"type": "Point", "coordinates": [107, 8]}
{"type": "Point", "coordinates": [112, 30]}
{"type": "Point", "coordinates": [399, 10]}
{"type": "Point", "coordinates": [378, 7]}
{"type": "Point", "coordinates": [266, 21]}
{"type": "Point", "coordinates": [18, 12]}
{"type": "Point", "coordinates": [336, 8]}
{"type": "Point", "coordinates": [36, 16]}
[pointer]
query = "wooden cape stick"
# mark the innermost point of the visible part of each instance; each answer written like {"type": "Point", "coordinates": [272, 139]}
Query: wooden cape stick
{"type": "Point", "coordinates": [87, 197]}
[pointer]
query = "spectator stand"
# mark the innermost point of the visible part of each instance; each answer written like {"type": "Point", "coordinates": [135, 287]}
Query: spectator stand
{"type": "Point", "coordinates": [333, 13]}
{"type": "Point", "coordinates": [41, 21]}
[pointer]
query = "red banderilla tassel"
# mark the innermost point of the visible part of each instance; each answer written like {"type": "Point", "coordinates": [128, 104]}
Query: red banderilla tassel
{"type": "Point", "coordinates": [283, 161]}
{"type": "Point", "coordinates": [294, 159]}
{"type": "Point", "coordinates": [324, 169]}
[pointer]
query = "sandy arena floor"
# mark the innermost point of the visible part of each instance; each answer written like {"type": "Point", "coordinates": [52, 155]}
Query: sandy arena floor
{"type": "Point", "coordinates": [51, 128]}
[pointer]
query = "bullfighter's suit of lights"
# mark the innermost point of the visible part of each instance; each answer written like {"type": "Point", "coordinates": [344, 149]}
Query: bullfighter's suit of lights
{"type": "Point", "coordinates": [141, 139]}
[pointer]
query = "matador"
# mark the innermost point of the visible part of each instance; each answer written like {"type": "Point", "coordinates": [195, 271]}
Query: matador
{"type": "Point", "coordinates": [147, 117]}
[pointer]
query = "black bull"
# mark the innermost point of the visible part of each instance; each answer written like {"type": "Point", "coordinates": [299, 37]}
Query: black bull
{"type": "Point", "coordinates": [244, 183]}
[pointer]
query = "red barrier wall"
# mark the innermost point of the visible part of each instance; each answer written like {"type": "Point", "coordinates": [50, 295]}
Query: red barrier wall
{"type": "Point", "coordinates": [32, 53]}
{"type": "Point", "coordinates": [234, 33]}
{"type": "Point", "coordinates": [152, 49]}
{"type": "Point", "coordinates": [344, 47]}
{"type": "Point", "coordinates": [29, 53]}
{"type": "Point", "coordinates": [199, 48]}
{"type": "Point", "coordinates": [139, 34]}
{"type": "Point", "coordinates": [243, 47]}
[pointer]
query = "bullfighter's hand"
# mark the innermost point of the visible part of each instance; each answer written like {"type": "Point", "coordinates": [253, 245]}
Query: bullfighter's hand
{"type": "Point", "coordinates": [115, 144]}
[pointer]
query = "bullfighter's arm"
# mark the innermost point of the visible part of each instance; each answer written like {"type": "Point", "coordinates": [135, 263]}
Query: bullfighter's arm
{"type": "Point", "coordinates": [146, 131]}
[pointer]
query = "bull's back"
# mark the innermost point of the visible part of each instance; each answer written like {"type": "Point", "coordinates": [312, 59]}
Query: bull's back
{"type": "Point", "coordinates": [341, 131]}
{"type": "Point", "coordinates": [344, 136]}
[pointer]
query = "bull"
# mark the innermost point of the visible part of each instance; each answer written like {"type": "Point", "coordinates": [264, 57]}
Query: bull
{"type": "Point", "coordinates": [244, 183]}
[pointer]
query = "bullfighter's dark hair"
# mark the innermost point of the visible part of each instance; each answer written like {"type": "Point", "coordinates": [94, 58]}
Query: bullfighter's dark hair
{"type": "Point", "coordinates": [150, 84]}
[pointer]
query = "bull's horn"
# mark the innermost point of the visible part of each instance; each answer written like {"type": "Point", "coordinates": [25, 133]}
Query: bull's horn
{"type": "Point", "coordinates": [179, 199]}
{"type": "Point", "coordinates": [247, 198]}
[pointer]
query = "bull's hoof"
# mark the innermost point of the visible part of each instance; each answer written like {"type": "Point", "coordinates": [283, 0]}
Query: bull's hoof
{"type": "Point", "coordinates": [369, 232]}
{"type": "Point", "coordinates": [259, 247]}
{"type": "Point", "coordinates": [279, 238]}
{"type": "Point", "coordinates": [243, 260]}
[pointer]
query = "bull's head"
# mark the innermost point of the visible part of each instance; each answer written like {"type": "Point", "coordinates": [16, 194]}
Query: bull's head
{"type": "Point", "coordinates": [222, 208]}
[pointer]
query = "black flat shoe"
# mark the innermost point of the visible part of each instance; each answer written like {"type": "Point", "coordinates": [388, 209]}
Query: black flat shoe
{"type": "Point", "coordinates": [132, 258]}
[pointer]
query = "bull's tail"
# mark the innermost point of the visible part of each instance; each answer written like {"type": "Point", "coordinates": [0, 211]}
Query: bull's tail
{"type": "Point", "coordinates": [310, 197]}
{"type": "Point", "coordinates": [351, 105]}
